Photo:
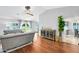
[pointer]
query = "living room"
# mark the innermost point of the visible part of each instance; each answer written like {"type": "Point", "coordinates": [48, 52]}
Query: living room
{"type": "Point", "coordinates": [20, 22]}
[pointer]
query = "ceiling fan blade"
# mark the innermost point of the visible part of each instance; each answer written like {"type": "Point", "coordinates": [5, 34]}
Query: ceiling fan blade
{"type": "Point", "coordinates": [29, 14]}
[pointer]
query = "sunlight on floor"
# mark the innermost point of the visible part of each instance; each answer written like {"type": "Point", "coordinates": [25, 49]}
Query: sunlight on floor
{"type": "Point", "coordinates": [35, 36]}
{"type": "Point", "coordinates": [71, 39]}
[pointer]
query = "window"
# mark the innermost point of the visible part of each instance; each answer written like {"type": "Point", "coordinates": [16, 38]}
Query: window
{"type": "Point", "coordinates": [26, 26]}
{"type": "Point", "coordinates": [12, 25]}
{"type": "Point", "coordinates": [66, 25]}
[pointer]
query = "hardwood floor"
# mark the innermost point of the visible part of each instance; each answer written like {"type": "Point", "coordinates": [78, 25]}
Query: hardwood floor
{"type": "Point", "coordinates": [42, 45]}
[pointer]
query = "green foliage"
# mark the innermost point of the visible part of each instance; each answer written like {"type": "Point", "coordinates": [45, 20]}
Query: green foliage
{"type": "Point", "coordinates": [23, 25]}
{"type": "Point", "coordinates": [61, 24]}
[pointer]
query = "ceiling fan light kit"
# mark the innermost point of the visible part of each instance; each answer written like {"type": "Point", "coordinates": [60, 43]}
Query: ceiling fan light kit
{"type": "Point", "coordinates": [28, 11]}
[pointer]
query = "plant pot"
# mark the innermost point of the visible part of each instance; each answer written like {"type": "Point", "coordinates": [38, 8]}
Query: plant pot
{"type": "Point", "coordinates": [59, 39]}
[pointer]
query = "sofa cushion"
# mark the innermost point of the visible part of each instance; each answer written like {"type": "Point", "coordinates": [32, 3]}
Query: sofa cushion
{"type": "Point", "coordinates": [12, 31]}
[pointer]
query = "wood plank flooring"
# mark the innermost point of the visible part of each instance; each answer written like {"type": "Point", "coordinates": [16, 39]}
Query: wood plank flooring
{"type": "Point", "coordinates": [42, 45]}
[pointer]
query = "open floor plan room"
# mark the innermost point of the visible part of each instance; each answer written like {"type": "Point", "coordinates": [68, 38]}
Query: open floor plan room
{"type": "Point", "coordinates": [42, 45]}
{"type": "Point", "coordinates": [39, 29]}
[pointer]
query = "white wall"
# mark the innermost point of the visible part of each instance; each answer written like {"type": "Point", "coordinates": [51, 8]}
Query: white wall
{"type": "Point", "coordinates": [49, 19]}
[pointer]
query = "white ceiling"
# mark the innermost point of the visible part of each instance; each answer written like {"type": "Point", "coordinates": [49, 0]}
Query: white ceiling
{"type": "Point", "coordinates": [51, 7]}
{"type": "Point", "coordinates": [17, 12]}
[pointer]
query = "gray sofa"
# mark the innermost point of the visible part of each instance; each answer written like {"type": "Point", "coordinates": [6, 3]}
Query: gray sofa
{"type": "Point", "coordinates": [12, 31]}
{"type": "Point", "coordinates": [12, 41]}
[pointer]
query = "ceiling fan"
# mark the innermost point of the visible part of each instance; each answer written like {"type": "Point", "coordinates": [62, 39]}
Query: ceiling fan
{"type": "Point", "coordinates": [28, 11]}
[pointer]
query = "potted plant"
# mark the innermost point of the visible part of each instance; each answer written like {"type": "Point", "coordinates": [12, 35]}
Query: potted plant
{"type": "Point", "coordinates": [61, 25]}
